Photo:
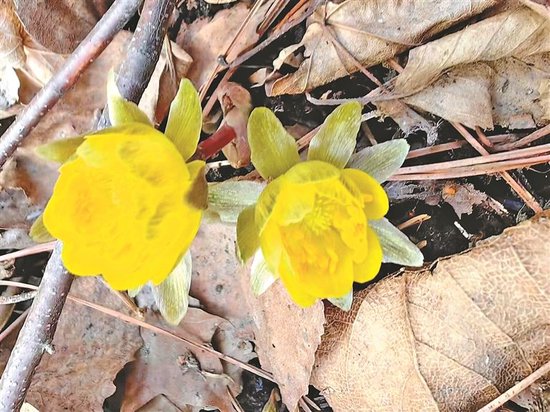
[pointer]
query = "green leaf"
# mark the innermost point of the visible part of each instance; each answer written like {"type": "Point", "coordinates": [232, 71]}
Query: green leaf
{"type": "Point", "coordinates": [248, 240]}
{"type": "Point", "coordinates": [172, 295]}
{"type": "Point", "coordinates": [336, 139]}
{"type": "Point", "coordinates": [397, 247]}
{"type": "Point", "coordinates": [60, 150]}
{"type": "Point", "coordinates": [261, 278]}
{"type": "Point", "coordinates": [185, 119]}
{"type": "Point", "coordinates": [343, 302]}
{"type": "Point", "coordinates": [122, 111]}
{"type": "Point", "coordinates": [39, 233]}
{"type": "Point", "coordinates": [226, 200]}
{"type": "Point", "coordinates": [381, 160]}
{"type": "Point", "coordinates": [272, 150]}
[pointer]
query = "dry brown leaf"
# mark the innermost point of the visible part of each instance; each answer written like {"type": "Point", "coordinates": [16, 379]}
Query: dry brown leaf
{"type": "Point", "coordinates": [185, 376]}
{"type": "Point", "coordinates": [90, 349]}
{"type": "Point", "coordinates": [448, 339]}
{"type": "Point", "coordinates": [370, 31]}
{"type": "Point", "coordinates": [517, 33]}
{"type": "Point", "coordinates": [205, 40]}
{"type": "Point", "coordinates": [11, 36]}
{"type": "Point", "coordinates": [509, 92]}
{"type": "Point", "coordinates": [162, 404]}
{"type": "Point", "coordinates": [287, 337]}
{"type": "Point", "coordinates": [60, 25]}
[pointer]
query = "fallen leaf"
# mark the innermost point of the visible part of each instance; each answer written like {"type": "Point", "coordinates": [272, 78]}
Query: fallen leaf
{"type": "Point", "coordinates": [18, 211]}
{"type": "Point", "coordinates": [286, 338]}
{"type": "Point", "coordinates": [371, 32]}
{"type": "Point", "coordinates": [162, 403]}
{"type": "Point", "coordinates": [11, 36]}
{"type": "Point", "coordinates": [205, 40]}
{"type": "Point", "coordinates": [517, 33]}
{"type": "Point", "coordinates": [90, 349]}
{"type": "Point", "coordinates": [59, 25]}
{"type": "Point", "coordinates": [450, 338]}
{"type": "Point", "coordinates": [186, 376]}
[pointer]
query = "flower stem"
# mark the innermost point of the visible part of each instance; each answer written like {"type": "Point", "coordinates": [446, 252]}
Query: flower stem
{"type": "Point", "coordinates": [214, 143]}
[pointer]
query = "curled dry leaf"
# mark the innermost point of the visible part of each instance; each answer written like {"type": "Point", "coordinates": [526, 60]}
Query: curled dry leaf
{"type": "Point", "coordinates": [12, 53]}
{"type": "Point", "coordinates": [184, 375]}
{"type": "Point", "coordinates": [371, 32]}
{"type": "Point", "coordinates": [451, 338]}
{"type": "Point", "coordinates": [88, 353]}
{"type": "Point", "coordinates": [286, 337]}
{"type": "Point", "coordinates": [517, 33]}
{"type": "Point", "coordinates": [236, 105]}
{"type": "Point", "coordinates": [205, 40]}
{"type": "Point", "coordinates": [60, 25]}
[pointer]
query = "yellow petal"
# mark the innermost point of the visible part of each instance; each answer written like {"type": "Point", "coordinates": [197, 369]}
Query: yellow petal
{"type": "Point", "coordinates": [272, 246]}
{"type": "Point", "coordinates": [375, 199]}
{"type": "Point", "coordinates": [60, 150]}
{"type": "Point", "coordinates": [273, 150]}
{"type": "Point", "coordinates": [248, 239]}
{"type": "Point", "coordinates": [266, 202]}
{"type": "Point", "coordinates": [184, 123]}
{"type": "Point", "coordinates": [197, 195]}
{"type": "Point", "coordinates": [294, 287]}
{"type": "Point", "coordinates": [335, 141]}
{"type": "Point", "coordinates": [370, 267]}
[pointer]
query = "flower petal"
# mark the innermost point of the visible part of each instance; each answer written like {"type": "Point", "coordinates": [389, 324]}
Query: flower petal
{"type": "Point", "coordinates": [261, 278]}
{"type": "Point", "coordinates": [273, 150]}
{"type": "Point", "coordinates": [197, 194]}
{"type": "Point", "coordinates": [248, 238]}
{"type": "Point", "coordinates": [336, 139]}
{"type": "Point", "coordinates": [185, 119]}
{"type": "Point", "coordinates": [60, 150]}
{"type": "Point", "coordinates": [266, 201]}
{"type": "Point", "coordinates": [396, 245]}
{"type": "Point", "coordinates": [375, 199]}
{"type": "Point", "coordinates": [172, 294]}
{"type": "Point", "coordinates": [370, 267]}
{"type": "Point", "coordinates": [382, 160]}
{"type": "Point", "coordinates": [295, 288]}
{"type": "Point", "coordinates": [122, 111]}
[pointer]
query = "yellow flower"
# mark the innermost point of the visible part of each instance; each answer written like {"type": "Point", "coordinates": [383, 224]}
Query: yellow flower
{"type": "Point", "coordinates": [313, 229]}
{"type": "Point", "coordinates": [313, 223]}
{"type": "Point", "coordinates": [126, 205]}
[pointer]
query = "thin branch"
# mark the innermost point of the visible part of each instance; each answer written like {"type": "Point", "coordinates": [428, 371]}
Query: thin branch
{"type": "Point", "coordinates": [21, 297]}
{"type": "Point", "coordinates": [110, 24]}
{"type": "Point", "coordinates": [37, 332]}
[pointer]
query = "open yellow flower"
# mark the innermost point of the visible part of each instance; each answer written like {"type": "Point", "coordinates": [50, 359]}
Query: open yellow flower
{"type": "Point", "coordinates": [126, 205]}
{"type": "Point", "coordinates": [313, 222]}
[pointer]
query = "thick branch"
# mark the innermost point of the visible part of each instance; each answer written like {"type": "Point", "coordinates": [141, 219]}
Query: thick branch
{"type": "Point", "coordinates": [37, 333]}
{"type": "Point", "coordinates": [110, 24]}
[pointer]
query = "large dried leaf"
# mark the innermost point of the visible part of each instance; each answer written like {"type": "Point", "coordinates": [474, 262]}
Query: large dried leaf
{"type": "Point", "coordinates": [88, 353]}
{"type": "Point", "coordinates": [11, 36]}
{"type": "Point", "coordinates": [287, 337]}
{"type": "Point", "coordinates": [508, 92]}
{"type": "Point", "coordinates": [184, 375]}
{"type": "Point", "coordinates": [518, 33]}
{"type": "Point", "coordinates": [448, 339]}
{"type": "Point", "coordinates": [60, 25]}
{"type": "Point", "coordinates": [371, 31]}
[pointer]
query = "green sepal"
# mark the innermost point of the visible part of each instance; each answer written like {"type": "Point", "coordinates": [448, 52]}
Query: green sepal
{"type": "Point", "coordinates": [38, 232]}
{"type": "Point", "coordinates": [226, 200]}
{"type": "Point", "coordinates": [343, 302]}
{"type": "Point", "coordinates": [396, 247]}
{"type": "Point", "coordinates": [381, 160]}
{"type": "Point", "coordinates": [122, 111]}
{"type": "Point", "coordinates": [248, 240]}
{"type": "Point", "coordinates": [134, 292]}
{"type": "Point", "coordinates": [272, 149]}
{"type": "Point", "coordinates": [185, 119]}
{"type": "Point", "coordinates": [60, 150]}
{"type": "Point", "coordinates": [172, 295]}
{"type": "Point", "coordinates": [198, 192]}
{"type": "Point", "coordinates": [261, 278]}
{"type": "Point", "coordinates": [335, 141]}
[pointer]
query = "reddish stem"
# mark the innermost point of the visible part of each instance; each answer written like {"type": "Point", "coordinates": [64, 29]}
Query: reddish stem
{"type": "Point", "coordinates": [213, 144]}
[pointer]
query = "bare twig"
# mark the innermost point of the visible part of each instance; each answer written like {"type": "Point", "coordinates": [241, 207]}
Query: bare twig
{"type": "Point", "coordinates": [5, 333]}
{"type": "Point", "coordinates": [514, 390]}
{"type": "Point", "coordinates": [21, 297]}
{"type": "Point", "coordinates": [111, 23]}
{"type": "Point", "coordinates": [37, 332]}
